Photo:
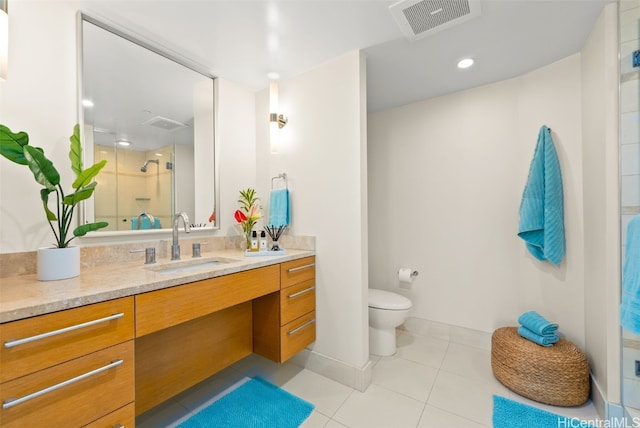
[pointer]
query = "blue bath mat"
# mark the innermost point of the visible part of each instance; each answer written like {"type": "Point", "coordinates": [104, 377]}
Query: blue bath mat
{"type": "Point", "coordinates": [254, 404]}
{"type": "Point", "coordinates": [511, 414]}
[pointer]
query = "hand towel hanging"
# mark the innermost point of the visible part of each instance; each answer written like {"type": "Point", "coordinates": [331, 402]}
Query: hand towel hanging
{"type": "Point", "coordinates": [279, 208]}
{"type": "Point", "coordinates": [542, 207]}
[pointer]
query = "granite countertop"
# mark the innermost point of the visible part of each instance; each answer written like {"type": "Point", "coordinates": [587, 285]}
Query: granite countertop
{"type": "Point", "coordinates": [24, 296]}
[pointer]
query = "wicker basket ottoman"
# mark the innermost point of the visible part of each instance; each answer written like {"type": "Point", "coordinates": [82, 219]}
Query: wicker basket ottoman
{"type": "Point", "coordinates": [556, 375]}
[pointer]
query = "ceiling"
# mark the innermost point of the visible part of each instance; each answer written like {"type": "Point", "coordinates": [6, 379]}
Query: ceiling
{"type": "Point", "coordinates": [243, 41]}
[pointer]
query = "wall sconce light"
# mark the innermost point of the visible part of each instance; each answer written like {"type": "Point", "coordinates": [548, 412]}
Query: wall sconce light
{"type": "Point", "coordinates": [276, 121]}
{"type": "Point", "coordinates": [4, 38]}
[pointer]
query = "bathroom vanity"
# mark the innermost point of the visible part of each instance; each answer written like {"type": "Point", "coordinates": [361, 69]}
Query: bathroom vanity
{"type": "Point", "coordinates": [72, 362]}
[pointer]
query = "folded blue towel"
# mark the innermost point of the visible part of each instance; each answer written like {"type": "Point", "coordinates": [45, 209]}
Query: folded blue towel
{"type": "Point", "coordinates": [630, 307]}
{"type": "Point", "coordinates": [542, 205]}
{"type": "Point", "coordinates": [537, 323]}
{"type": "Point", "coordinates": [279, 208]}
{"type": "Point", "coordinates": [146, 224]}
{"type": "Point", "coordinates": [544, 340]}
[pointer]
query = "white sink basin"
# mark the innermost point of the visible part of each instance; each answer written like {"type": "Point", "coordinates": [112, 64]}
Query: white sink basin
{"type": "Point", "coordinates": [181, 266]}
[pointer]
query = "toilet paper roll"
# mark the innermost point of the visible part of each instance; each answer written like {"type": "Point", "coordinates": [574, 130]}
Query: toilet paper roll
{"type": "Point", "coordinates": [406, 275]}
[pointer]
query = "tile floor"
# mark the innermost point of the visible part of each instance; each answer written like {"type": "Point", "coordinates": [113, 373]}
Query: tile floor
{"type": "Point", "coordinates": [434, 380]}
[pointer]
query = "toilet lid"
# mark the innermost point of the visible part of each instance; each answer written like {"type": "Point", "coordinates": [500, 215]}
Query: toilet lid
{"type": "Point", "coordinates": [382, 299]}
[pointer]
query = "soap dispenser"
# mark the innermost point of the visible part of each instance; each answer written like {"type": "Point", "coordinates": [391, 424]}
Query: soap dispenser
{"type": "Point", "coordinates": [254, 241]}
{"type": "Point", "coordinates": [263, 241]}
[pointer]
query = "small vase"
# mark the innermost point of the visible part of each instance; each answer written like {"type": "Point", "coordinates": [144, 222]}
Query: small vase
{"type": "Point", "coordinates": [58, 263]}
{"type": "Point", "coordinates": [248, 240]}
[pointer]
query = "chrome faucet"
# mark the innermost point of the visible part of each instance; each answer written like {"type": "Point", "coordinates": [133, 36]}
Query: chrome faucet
{"type": "Point", "coordinates": [147, 215]}
{"type": "Point", "coordinates": [175, 248]}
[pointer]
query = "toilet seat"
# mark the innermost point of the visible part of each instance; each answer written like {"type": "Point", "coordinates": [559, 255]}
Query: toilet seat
{"type": "Point", "coordinates": [381, 299]}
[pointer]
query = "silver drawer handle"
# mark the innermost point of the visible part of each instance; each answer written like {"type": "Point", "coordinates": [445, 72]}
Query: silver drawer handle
{"type": "Point", "coordinates": [118, 426]}
{"type": "Point", "coordinates": [10, 403]}
{"type": "Point", "coordinates": [295, 269]}
{"type": "Point", "coordinates": [301, 292]}
{"type": "Point", "coordinates": [297, 329]}
{"type": "Point", "coordinates": [13, 343]}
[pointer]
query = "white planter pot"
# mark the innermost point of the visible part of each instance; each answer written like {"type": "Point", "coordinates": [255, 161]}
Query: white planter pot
{"type": "Point", "coordinates": [58, 263]}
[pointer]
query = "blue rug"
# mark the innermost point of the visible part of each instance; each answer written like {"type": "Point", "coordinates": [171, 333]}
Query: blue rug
{"type": "Point", "coordinates": [511, 414]}
{"type": "Point", "coordinates": [254, 404]}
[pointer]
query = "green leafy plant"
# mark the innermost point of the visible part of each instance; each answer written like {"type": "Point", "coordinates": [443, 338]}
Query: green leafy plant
{"type": "Point", "coordinates": [16, 148]}
{"type": "Point", "coordinates": [249, 212]}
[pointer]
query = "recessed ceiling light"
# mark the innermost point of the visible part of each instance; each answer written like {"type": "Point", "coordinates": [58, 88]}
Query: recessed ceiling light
{"type": "Point", "coordinates": [124, 143]}
{"type": "Point", "coordinates": [465, 63]}
{"type": "Point", "coordinates": [87, 103]}
{"type": "Point", "coordinates": [273, 75]}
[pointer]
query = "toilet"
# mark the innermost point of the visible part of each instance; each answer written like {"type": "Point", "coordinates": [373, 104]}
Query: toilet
{"type": "Point", "coordinates": [387, 310]}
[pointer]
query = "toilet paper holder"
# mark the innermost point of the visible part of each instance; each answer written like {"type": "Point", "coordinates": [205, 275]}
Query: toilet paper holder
{"type": "Point", "coordinates": [402, 273]}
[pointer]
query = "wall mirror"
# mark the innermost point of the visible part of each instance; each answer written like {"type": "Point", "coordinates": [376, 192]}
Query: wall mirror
{"type": "Point", "coordinates": [151, 115]}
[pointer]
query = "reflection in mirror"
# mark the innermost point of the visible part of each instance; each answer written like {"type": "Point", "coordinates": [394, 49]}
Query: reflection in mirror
{"type": "Point", "coordinates": [150, 116]}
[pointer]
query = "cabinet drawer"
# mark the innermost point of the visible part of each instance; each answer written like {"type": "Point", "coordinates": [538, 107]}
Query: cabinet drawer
{"type": "Point", "coordinates": [160, 309]}
{"type": "Point", "coordinates": [297, 300]}
{"type": "Point", "coordinates": [297, 271]}
{"type": "Point", "coordinates": [73, 393]}
{"type": "Point", "coordinates": [296, 335]}
{"type": "Point", "coordinates": [124, 417]}
{"type": "Point", "coordinates": [60, 336]}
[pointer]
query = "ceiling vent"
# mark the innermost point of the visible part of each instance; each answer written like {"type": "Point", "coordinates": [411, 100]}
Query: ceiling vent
{"type": "Point", "coordinates": [164, 123]}
{"type": "Point", "coordinates": [421, 18]}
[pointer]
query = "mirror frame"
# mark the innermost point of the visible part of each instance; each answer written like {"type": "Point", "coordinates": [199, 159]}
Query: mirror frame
{"type": "Point", "coordinates": [165, 52]}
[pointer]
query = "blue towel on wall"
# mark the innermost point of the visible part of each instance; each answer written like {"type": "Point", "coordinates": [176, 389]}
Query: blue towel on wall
{"type": "Point", "coordinates": [630, 307]}
{"type": "Point", "coordinates": [279, 208]}
{"type": "Point", "coordinates": [540, 339]}
{"type": "Point", "coordinates": [146, 224]}
{"type": "Point", "coordinates": [537, 323]}
{"type": "Point", "coordinates": [542, 209]}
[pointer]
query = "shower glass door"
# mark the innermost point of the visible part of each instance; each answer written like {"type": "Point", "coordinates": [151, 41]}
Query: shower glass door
{"type": "Point", "coordinates": [630, 177]}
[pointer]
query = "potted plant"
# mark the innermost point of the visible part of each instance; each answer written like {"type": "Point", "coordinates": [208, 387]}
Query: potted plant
{"type": "Point", "coordinates": [16, 148]}
{"type": "Point", "coordinates": [248, 214]}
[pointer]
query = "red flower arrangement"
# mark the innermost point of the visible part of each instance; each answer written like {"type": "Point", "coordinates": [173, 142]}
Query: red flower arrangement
{"type": "Point", "coordinates": [249, 212]}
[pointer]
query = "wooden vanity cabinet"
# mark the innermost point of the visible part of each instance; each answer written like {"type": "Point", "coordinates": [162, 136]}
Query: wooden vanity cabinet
{"type": "Point", "coordinates": [185, 334]}
{"type": "Point", "coordinates": [68, 368]}
{"type": "Point", "coordinates": [161, 309]}
{"type": "Point", "coordinates": [102, 364]}
{"type": "Point", "coordinates": [284, 322]}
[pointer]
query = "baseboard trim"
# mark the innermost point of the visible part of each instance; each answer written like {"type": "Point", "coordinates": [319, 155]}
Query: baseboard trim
{"type": "Point", "coordinates": [612, 412]}
{"type": "Point", "coordinates": [597, 398]}
{"type": "Point", "coordinates": [354, 377]}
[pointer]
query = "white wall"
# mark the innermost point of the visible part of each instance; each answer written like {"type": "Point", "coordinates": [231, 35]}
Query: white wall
{"type": "Point", "coordinates": [235, 119]}
{"type": "Point", "coordinates": [601, 203]}
{"type": "Point", "coordinates": [445, 181]}
{"type": "Point", "coordinates": [39, 97]}
{"type": "Point", "coordinates": [323, 152]}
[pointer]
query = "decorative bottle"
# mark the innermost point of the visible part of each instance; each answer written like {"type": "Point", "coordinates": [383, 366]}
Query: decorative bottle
{"type": "Point", "coordinates": [263, 241]}
{"type": "Point", "coordinates": [254, 241]}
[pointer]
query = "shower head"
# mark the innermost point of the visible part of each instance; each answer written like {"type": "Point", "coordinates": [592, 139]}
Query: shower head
{"type": "Point", "coordinates": [144, 167]}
